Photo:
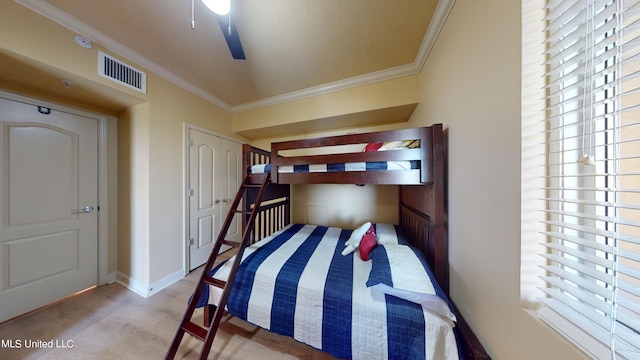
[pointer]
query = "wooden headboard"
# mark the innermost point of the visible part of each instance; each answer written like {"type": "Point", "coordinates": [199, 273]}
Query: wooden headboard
{"type": "Point", "coordinates": [429, 239]}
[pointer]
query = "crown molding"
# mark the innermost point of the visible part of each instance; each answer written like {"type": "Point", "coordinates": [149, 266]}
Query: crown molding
{"type": "Point", "coordinates": [437, 22]}
{"type": "Point", "coordinates": [327, 88]}
{"type": "Point", "coordinates": [51, 12]}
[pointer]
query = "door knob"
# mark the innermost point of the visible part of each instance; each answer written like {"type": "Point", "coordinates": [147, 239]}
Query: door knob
{"type": "Point", "coordinates": [84, 210]}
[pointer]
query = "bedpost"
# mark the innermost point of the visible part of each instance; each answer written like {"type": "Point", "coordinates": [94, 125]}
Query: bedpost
{"type": "Point", "coordinates": [426, 171]}
{"type": "Point", "coordinates": [247, 161]}
{"type": "Point", "coordinates": [246, 158]}
{"type": "Point", "coordinates": [428, 201]}
{"type": "Point", "coordinates": [274, 164]}
{"type": "Point", "coordinates": [438, 196]}
{"type": "Point", "coordinates": [438, 175]}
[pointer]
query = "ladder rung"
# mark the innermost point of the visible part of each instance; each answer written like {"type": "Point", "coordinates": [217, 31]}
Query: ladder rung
{"type": "Point", "coordinates": [196, 331]}
{"type": "Point", "coordinates": [215, 282]}
{"type": "Point", "coordinates": [252, 185]}
{"type": "Point", "coordinates": [241, 212]}
{"type": "Point", "coordinates": [231, 243]}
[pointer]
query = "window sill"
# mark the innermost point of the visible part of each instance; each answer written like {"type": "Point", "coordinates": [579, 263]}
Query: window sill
{"type": "Point", "coordinates": [537, 315]}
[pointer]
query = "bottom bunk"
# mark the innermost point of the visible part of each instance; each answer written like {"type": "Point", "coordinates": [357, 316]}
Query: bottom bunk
{"type": "Point", "coordinates": [427, 243]}
{"type": "Point", "coordinates": [303, 282]}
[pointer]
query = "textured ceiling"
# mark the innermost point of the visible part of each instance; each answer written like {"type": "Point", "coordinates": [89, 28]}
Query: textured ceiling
{"type": "Point", "coordinates": [290, 45]}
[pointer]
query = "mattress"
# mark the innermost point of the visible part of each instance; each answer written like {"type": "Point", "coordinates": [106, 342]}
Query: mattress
{"type": "Point", "coordinates": [297, 283]}
{"type": "Point", "coordinates": [340, 167]}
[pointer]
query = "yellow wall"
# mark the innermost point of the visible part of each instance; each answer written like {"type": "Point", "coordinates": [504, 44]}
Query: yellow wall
{"type": "Point", "coordinates": [133, 194]}
{"type": "Point", "coordinates": [384, 94]}
{"type": "Point", "coordinates": [471, 83]}
{"type": "Point", "coordinates": [346, 206]}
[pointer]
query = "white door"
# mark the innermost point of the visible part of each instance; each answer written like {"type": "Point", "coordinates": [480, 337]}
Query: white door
{"type": "Point", "coordinates": [231, 175]}
{"type": "Point", "coordinates": [214, 173]}
{"type": "Point", "coordinates": [48, 206]}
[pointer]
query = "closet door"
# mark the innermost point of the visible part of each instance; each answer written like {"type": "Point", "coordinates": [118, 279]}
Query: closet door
{"type": "Point", "coordinates": [214, 175]}
{"type": "Point", "coordinates": [231, 178]}
{"type": "Point", "coordinates": [204, 195]}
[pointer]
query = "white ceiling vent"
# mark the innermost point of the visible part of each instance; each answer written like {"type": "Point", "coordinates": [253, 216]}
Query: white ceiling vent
{"type": "Point", "coordinates": [116, 70]}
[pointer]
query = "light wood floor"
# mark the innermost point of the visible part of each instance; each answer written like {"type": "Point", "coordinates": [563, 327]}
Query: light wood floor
{"type": "Point", "coordinates": [111, 322]}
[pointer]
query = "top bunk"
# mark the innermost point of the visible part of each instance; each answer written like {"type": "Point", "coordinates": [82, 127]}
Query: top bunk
{"type": "Point", "coordinates": [412, 157]}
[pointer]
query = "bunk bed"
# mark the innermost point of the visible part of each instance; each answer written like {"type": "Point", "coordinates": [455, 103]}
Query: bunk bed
{"type": "Point", "coordinates": [415, 161]}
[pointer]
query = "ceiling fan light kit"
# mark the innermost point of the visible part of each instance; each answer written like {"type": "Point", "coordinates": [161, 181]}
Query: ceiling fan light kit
{"type": "Point", "coordinates": [220, 7]}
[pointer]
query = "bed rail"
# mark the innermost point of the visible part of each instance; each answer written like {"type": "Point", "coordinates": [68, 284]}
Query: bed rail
{"type": "Point", "coordinates": [275, 212]}
{"type": "Point", "coordinates": [413, 176]}
{"type": "Point", "coordinates": [272, 217]}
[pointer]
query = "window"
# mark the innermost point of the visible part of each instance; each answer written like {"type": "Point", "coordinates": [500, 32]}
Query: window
{"type": "Point", "coordinates": [589, 183]}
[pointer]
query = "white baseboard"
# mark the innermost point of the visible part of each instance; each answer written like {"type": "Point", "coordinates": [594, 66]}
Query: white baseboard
{"type": "Point", "coordinates": [132, 284]}
{"type": "Point", "coordinates": [112, 277]}
{"type": "Point", "coordinates": [146, 290]}
{"type": "Point", "coordinates": [166, 282]}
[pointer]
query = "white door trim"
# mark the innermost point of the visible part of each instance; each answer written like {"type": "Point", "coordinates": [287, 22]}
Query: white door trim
{"type": "Point", "coordinates": [106, 200]}
{"type": "Point", "coordinates": [185, 181]}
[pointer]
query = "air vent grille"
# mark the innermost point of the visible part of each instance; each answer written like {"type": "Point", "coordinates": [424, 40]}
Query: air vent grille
{"type": "Point", "coordinates": [116, 70]}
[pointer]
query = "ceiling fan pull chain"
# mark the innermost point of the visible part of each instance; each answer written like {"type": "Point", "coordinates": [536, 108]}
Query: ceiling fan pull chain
{"type": "Point", "coordinates": [193, 18]}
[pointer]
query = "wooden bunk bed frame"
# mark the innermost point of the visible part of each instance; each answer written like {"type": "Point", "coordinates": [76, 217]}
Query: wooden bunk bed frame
{"type": "Point", "coordinates": [422, 203]}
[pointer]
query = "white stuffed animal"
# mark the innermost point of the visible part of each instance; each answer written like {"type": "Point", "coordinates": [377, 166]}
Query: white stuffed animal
{"type": "Point", "coordinates": [354, 240]}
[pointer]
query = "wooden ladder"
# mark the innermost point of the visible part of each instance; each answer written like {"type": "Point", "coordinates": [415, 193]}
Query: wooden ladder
{"type": "Point", "coordinates": [187, 326]}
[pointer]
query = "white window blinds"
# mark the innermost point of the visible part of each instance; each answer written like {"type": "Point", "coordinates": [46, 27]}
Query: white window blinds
{"type": "Point", "coordinates": [591, 246]}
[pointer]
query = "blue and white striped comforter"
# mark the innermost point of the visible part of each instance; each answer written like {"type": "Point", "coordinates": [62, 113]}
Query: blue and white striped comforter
{"type": "Point", "coordinates": [297, 283]}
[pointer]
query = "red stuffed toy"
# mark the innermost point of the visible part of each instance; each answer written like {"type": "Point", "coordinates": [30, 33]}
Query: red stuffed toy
{"type": "Point", "coordinates": [368, 243]}
{"type": "Point", "coordinates": [373, 146]}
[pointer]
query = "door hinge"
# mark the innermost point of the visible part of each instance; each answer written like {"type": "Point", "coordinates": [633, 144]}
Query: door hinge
{"type": "Point", "coordinates": [189, 192]}
{"type": "Point", "coordinates": [190, 242]}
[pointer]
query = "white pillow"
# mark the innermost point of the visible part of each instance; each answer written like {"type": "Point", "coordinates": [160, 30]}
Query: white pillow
{"type": "Point", "coordinates": [354, 239]}
{"type": "Point", "coordinates": [393, 145]}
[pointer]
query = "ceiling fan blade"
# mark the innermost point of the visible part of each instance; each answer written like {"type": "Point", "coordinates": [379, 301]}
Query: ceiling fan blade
{"type": "Point", "coordinates": [228, 27]}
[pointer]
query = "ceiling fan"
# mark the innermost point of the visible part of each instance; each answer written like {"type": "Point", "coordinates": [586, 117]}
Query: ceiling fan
{"type": "Point", "coordinates": [222, 9]}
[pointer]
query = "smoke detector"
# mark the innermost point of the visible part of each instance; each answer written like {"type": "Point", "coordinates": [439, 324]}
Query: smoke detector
{"type": "Point", "coordinates": [84, 42]}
